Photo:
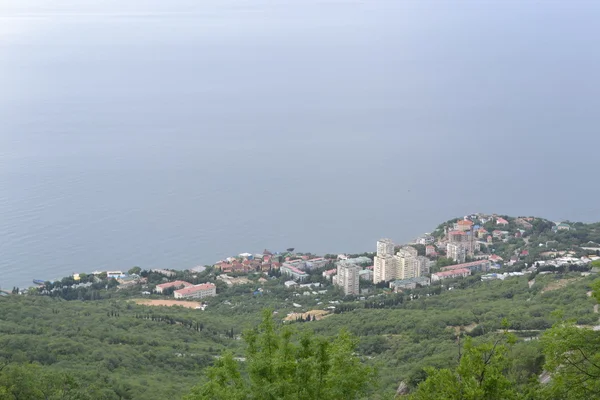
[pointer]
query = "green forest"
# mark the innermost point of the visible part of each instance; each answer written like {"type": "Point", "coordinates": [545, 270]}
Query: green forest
{"type": "Point", "coordinates": [113, 348]}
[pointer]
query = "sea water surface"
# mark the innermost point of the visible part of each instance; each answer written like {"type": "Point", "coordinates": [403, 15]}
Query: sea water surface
{"type": "Point", "coordinates": [173, 134]}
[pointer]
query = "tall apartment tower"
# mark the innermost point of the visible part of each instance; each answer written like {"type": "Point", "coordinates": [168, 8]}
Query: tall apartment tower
{"type": "Point", "coordinates": [385, 247]}
{"type": "Point", "coordinates": [347, 278]}
{"type": "Point", "coordinates": [384, 268]}
{"type": "Point", "coordinates": [406, 263]}
{"type": "Point", "coordinates": [457, 252]}
{"type": "Point", "coordinates": [423, 265]}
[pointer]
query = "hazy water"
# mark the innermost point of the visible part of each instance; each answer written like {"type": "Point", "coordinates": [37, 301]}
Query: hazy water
{"type": "Point", "coordinates": [172, 134]}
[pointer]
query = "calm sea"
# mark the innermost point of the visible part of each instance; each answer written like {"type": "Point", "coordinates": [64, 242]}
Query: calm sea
{"type": "Point", "coordinates": [173, 134]}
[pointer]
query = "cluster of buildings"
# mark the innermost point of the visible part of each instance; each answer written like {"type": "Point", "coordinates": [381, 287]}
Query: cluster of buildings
{"type": "Point", "coordinates": [298, 269]}
{"type": "Point", "coordinates": [246, 263]}
{"type": "Point", "coordinates": [348, 277]}
{"type": "Point", "coordinates": [349, 272]}
{"type": "Point", "coordinates": [462, 241]}
{"type": "Point", "coordinates": [185, 290]}
{"type": "Point", "coordinates": [404, 268]}
{"type": "Point", "coordinates": [403, 264]}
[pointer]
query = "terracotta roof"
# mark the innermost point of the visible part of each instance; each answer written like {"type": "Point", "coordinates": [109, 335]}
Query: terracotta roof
{"type": "Point", "coordinates": [464, 265]}
{"type": "Point", "coordinates": [456, 233]}
{"type": "Point", "coordinates": [196, 288]}
{"type": "Point", "coordinates": [465, 222]}
{"type": "Point", "coordinates": [294, 269]}
{"type": "Point", "coordinates": [459, 271]}
{"type": "Point", "coordinates": [174, 283]}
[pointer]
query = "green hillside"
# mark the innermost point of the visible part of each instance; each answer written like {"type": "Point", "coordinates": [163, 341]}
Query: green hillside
{"type": "Point", "coordinates": [116, 349]}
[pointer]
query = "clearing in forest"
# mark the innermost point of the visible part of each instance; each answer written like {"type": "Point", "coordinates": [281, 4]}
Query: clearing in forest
{"type": "Point", "coordinates": [558, 284]}
{"type": "Point", "coordinates": [318, 314]}
{"type": "Point", "coordinates": [167, 303]}
{"type": "Point", "coordinates": [462, 328]}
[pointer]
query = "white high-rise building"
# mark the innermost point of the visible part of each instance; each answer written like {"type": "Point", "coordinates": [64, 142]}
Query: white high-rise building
{"type": "Point", "coordinates": [423, 265]}
{"type": "Point", "coordinates": [457, 252]}
{"type": "Point", "coordinates": [347, 278]}
{"type": "Point", "coordinates": [384, 269]}
{"type": "Point", "coordinates": [385, 247]}
{"type": "Point", "coordinates": [406, 263]}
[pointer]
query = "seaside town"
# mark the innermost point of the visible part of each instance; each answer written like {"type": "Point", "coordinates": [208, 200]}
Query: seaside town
{"type": "Point", "coordinates": [468, 278]}
{"type": "Point", "coordinates": [489, 246]}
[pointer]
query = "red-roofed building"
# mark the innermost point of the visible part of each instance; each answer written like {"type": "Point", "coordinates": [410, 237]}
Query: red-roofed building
{"type": "Point", "coordinates": [490, 239]}
{"type": "Point", "coordinates": [455, 273]}
{"type": "Point", "coordinates": [524, 253]}
{"type": "Point", "coordinates": [479, 265]}
{"type": "Point", "coordinates": [265, 267]}
{"type": "Point", "coordinates": [457, 236]}
{"type": "Point", "coordinates": [495, 258]}
{"type": "Point", "coordinates": [482, 232]}
{"type": "Point", "coordinates": [501, 221]}
{"type": "Point", "coordinates": [175, 284]}
{"type": "Point", "coordinates": [329, 273]}
{"type": "Point", "coordinates": [196, 291]}
{"type": "Point", "coordinates": [430, 250]}
{"type": "Point", "coordinates": [463, 225]}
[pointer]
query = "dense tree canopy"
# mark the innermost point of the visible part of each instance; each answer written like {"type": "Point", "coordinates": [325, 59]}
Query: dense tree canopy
{"type": "Point", "coordinates": [277, 367]}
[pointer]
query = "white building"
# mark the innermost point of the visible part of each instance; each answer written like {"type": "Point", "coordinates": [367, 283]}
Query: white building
{"type": "Point", "coordinates": [406, 263]}
{"type": "Point", "coordinates": [347, 278]}
{"type": "Point", "coordinates": [456, 251]}
{"type": "Point", "coordinates": [385, 247]}
{"type": "Point", "coordinates": [196, 291]}
{"type": "Point", "coordinates": [384, 269]}
{"type": "Point", "coordinates": [115, 274]}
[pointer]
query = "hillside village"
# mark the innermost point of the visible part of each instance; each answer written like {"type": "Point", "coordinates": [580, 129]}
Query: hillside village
{"type": "Point", "coordinates": [489, 246]}
{"type": "Point", "coordinates": [407, 303]}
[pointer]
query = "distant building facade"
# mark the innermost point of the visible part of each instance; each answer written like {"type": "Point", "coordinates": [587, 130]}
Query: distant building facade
{"type": "Point", "coordinates": [456, 251]}
{"type": "Point", "coordinates": [406, 263]}
{"type": "Point", "coordinates": [384, 268]}
{"type": "Point", "coordinates": [196, 291]}
{"type": "Point", "coordinates": [293, 272]}
{"type": "Point", "coordinates": [475, 266]}
{"type": "Point", "coordinates": [347, 278]}
{"type": "Point", "coordinates": [457, 273]}
{"type": "Point", "coordinates": [385, 247]}
{"type": "Point", "coordinates": [175, 284]}
{"type": "Point", "coordinates": [411, 283]}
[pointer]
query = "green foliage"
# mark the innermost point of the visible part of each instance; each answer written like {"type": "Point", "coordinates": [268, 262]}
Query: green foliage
{"type": "Point", "coordinates": [277, 367]}
{"type": "Point", "coordinates": [134, 270]}
{"type": "Point", "coordinates": [117, 349]}
{"type": "Point", "coordinates": [443, 262]}
{"type": "Point", "coordinates": [480, 374]}
{"type": "Point", "coordinates": [114, 348]}
{"type": "Point", "coordinates": [573, 359]}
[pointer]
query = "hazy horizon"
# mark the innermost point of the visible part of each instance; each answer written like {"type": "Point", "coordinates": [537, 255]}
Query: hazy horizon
{"type": "Point", "coordinates": [172, 134]}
